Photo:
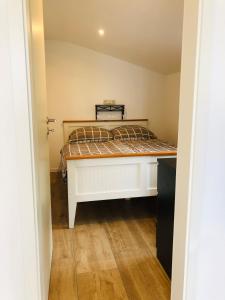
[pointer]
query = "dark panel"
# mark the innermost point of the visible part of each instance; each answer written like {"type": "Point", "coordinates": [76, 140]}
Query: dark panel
{"type": "Point", "coordinates": [166, 201]}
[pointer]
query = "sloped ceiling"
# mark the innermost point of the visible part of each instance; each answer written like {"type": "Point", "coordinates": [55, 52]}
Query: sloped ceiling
{"type": "Point", "coordinates": [143, 32]}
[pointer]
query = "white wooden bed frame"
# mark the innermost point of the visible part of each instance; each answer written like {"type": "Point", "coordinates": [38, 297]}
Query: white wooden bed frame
{"type": "Point", "coordinates": [108, 178]}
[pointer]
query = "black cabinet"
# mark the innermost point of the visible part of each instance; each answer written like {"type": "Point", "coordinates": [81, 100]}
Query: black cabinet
{"type": "Point", "coordinates": [165, 220]}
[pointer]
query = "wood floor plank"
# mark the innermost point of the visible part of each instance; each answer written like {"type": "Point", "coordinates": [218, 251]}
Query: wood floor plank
{"type": "Point", "coordinates": [144, 220]}
{"type": "Point", "coordinates": [92, 249]}
{"type": "Point", "coordinates": [59, 201]}
{"type": "Point", "coordinates": [123, 231]}
{"type": "Point", "coordinates": [147, 229]}
{"type": "Point", "coordinates": [101, 285]}
{"type": "Point", "coordinates": [140, 271]}
{"type": "Point", "coordinates": [63, 284]}
{"type": "Point", "coordinates": [145, 224]}
{"type": "Point", "coordinates": [109, 255]}
{"type": "Point", "coordinates": [63, 244]}
{"type": "Point", "coordinates": [141, 275]}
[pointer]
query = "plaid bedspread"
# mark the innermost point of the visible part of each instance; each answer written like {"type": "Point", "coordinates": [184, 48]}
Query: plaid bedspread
{"type": "Point", "coordinates": [115, 148]}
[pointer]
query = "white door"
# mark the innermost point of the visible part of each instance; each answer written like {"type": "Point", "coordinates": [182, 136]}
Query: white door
{"type": "Point", "coordinates": [25, 214]}
{"type": "Point", "coordinates": [36, 55]}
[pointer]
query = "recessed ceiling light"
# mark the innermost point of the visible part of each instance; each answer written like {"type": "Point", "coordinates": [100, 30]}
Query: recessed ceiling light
{"type": "Point", "coordinates": [101, 32]}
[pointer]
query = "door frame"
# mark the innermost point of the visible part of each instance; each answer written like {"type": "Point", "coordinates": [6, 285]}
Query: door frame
{"type": "Point", "coordinates": [21, 29]}
{"type": "Point", "coordinates": [199, 232]}
{"type": "Point", "coordinates": [19, 186]}
{"type": "Point", "coordinates": [19, 158]}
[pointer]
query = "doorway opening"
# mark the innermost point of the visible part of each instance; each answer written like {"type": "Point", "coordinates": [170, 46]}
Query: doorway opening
{"type": "Point", "coordinates": [110, 54]}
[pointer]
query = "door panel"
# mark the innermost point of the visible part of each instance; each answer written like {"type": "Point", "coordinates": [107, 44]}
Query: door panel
{"type": "Point", "coordinates": [41, 152]}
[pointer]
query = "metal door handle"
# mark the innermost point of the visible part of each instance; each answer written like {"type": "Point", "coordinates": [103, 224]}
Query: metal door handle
{"type": "Point", "coordinates": [50, 120]}
{"type": "Point", "coordinates": [50, 130]}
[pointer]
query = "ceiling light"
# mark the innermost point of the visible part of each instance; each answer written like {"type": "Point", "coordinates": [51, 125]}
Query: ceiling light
{"type": "Point", "coordinates": [101, 32]}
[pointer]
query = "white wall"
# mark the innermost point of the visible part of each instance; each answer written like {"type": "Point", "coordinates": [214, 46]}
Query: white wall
{"type": "Point", "coordinates": [171, 107]}
{"type": "Point", "coordinates": [79, 78]}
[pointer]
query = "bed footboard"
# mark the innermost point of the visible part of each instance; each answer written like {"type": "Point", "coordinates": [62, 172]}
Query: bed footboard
{"type": "Point", "coordinates": [110, 178]}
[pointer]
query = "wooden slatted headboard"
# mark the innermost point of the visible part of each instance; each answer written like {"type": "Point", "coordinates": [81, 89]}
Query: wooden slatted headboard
{"type": "Point", "coordinates": [70, 125]}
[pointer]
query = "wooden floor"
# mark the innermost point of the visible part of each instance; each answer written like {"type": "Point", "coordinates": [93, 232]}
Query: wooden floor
{"type": "Point", "coordinates": [109, 255]}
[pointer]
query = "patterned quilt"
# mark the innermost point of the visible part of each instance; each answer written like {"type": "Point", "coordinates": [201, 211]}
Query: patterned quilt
{"type": "Point", "coordinates": [115, 148]}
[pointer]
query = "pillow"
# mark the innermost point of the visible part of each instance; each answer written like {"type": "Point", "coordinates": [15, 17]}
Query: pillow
{"type": "Point", "coordinates": [132, 132]}
{"type": "Point", "coordinates": [89, 134]}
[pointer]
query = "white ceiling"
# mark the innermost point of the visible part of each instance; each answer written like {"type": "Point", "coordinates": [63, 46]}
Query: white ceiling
{"type": "Point", "coordinates": [143, 32]}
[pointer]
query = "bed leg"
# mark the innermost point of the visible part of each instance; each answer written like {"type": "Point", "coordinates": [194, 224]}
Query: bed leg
{"type": "Point", "coordinates": [72, 214]}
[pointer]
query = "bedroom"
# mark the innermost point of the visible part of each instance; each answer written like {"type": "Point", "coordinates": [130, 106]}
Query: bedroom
{"type": "Point", "coordinates": [103, 59]}
{"type": "Point", "coordinates": [110, 250]}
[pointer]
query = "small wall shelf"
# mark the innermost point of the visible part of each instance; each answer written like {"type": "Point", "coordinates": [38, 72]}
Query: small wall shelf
{"type": "Point", "coordinates": [109, 107]}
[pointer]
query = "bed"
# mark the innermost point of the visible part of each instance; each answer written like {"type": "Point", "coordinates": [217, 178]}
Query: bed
{"type": "Point", "coordinates": [112, 169]}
